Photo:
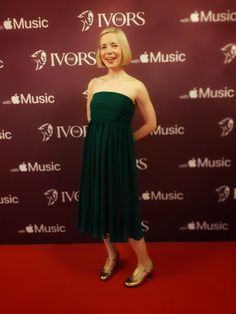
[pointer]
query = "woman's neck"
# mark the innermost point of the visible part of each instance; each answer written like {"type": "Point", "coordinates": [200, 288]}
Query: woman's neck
{"type": "Point", "coordinates": [116, 73]}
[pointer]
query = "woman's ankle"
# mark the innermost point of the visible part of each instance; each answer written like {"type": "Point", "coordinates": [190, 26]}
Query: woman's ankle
{"type": "Point", "coordinates": [146, 263]}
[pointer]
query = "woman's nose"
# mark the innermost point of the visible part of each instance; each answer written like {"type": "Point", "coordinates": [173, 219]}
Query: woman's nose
{"type": "Point", "coordinates": [108, 50]}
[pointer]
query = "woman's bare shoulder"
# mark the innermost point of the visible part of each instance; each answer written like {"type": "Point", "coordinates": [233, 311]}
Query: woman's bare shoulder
{"type": "Point", "coordinates": [134, 80]}
{"type": "Point", "coordinates": [137, 85]}
{"type": "Point", "coordinates": [96, 81]}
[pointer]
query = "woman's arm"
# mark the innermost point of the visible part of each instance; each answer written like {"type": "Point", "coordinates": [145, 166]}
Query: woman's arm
{"type": "Point", "coordinates": [147, 111]}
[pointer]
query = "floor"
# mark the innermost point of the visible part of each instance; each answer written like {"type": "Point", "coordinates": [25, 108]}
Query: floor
{"type": "Point", "coordinates": [196, 277]}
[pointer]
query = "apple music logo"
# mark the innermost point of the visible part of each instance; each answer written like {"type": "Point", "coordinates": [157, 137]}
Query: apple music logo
{"type": "Point", "coordinates": [205, 226]}
{"type": "Point", "coordinates": [30, 229]}
{"type": "Point", "coordinates": [37, 167]}
{"type": "Point", "coordinates": [207, 163]}
{"type": "Point", "coordinates": [160, 57]}
{"type": "Point", "coordinates": [229, 51]}
{"type": "Point", "coordinates": [162, 196]}
{"type": "Point", "coordinates": [227, 126]}
{"type": "Point", "coordinates": [210, 17]}
{"type": "Point", "coordinates": [208, 92]}
{"type": "Point", "coordinates": [30, 99]}
{"type": "Point", "coordinates": [14, 24]}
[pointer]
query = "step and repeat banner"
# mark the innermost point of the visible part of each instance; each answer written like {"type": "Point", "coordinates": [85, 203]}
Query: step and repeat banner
{"type": "Point", "coordinates": [183, 51]}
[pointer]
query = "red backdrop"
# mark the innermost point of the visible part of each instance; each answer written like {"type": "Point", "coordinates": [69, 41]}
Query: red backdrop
{"type": "Point", "coordinates": [184, 52]}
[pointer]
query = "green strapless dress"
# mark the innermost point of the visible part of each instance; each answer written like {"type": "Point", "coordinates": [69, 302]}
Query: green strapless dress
{"type": "Point", "coordinates": [109, 198]}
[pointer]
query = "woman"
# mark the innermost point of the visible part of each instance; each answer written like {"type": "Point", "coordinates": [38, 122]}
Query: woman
{"type": "Point", "coordinates": [109, 201]}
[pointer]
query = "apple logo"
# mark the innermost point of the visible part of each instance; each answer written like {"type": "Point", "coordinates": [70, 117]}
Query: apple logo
{"type": "Point", "coordinates": [15, 99]}
{"type": "Point", "coordinates": [191, 226]}
{"type": "Point", "coordinates": [23, 167]}
{"type": "Point", "coordinates": [193, 93]}
{"type": "Point", "coordinates": [146, 196]}
{"type": "Point", "coordinates": [194, 17]}
{"type": "Point", "coordinates": [7, 24]}
{"type": "Point", "coordinates": [29, 229]}
{"type": "Point", "coordinates": [144, 58]}
{"type": "Point", "coordinates": [192, 163]}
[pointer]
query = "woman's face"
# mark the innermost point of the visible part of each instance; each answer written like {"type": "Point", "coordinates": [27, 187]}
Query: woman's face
{"type": "Point", "coordinates": [110, 50]}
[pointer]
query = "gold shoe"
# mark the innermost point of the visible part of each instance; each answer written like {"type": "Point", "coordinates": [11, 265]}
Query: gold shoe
{"type": "Point", "coordinates": [109, 268]}
{"type": "Point", "coordinates": [138, 276]}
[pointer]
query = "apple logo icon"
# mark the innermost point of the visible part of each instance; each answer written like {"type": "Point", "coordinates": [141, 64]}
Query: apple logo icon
{"type": "Point", "coordinates": [23, 167]}
{"type": "Point", "coordinates": [7, 24]}
{"type": "Point", "coordinates": [194, 17]}
{"type": "Point", "coordinates": [146, 196]}
{"type": "Point", "coordinates": [192, 163]}
{"type": "Point", "coordinates": [15, 99]}
{"type": "Point", "coordinates": [29, 229]}
{"type": "Point", "coordinates": [144, 58]}
{"type": "Point", "coordinates": [193, 93]}
{"type": "Point", "coordinates": [191, 225]}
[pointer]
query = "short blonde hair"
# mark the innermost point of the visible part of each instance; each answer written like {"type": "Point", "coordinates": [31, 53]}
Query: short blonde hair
{"type": "Point", "coordinates": [124, 44]}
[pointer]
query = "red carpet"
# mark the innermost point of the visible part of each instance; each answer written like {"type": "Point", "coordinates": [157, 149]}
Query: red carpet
{"type": "Point", "coordinates": [63, 279]}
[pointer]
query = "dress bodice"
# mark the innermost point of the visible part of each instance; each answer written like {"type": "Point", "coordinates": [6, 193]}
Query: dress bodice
{"type": "Point", "coordinates": [111, 106]}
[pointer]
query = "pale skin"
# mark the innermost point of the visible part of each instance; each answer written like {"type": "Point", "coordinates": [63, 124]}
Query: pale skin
{"type": "Point", "coordinates": [117, 80]}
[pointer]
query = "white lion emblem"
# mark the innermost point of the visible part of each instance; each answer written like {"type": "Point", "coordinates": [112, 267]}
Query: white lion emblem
{"type": "Point", "coordinates": [223, 193]}
{"type": "Point", "coordinates": [40, 58]}
{"type": "Point", "coordinates": [52, 196]}
{"type": "Point", "coordinates": [227, 125]}
{"type": "Point", "coordinates": [229, 52]}
{"type": "Point", "coordinates": [86, 18]}
{"type": "Point", "coordinates": [47, 131]}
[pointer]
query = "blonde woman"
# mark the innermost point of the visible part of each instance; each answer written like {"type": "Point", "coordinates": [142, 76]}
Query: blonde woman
{"type": "Point", "coordinates": [109, 206]}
